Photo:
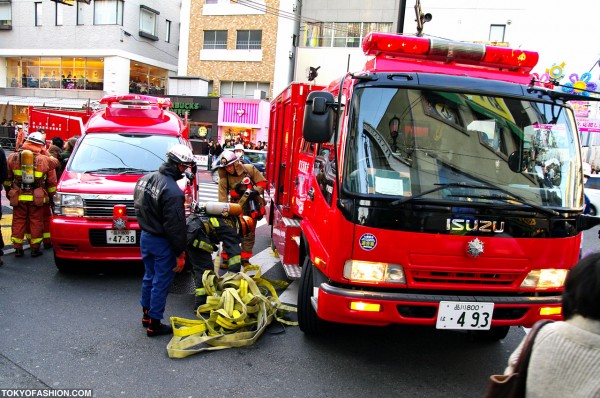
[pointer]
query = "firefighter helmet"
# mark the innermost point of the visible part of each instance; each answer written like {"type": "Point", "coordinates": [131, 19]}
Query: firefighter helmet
{"type": "Point", "coordinates": [246, 225]}
{"type": "Point", "coordinates": [227, 158]}
{"type": "Point", "coordinates": [181, 154]}
{"type": "Point", "coordinates": [36, 138]}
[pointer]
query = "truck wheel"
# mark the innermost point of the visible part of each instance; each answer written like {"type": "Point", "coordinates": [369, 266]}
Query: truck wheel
{"type": "Point", "coordinates": [494, 334]}
{"type": "Point", "coordinates": [63, 265]}
{"type": "Point", "coordinates": [215, 176]}
{"type": "Point", "coordinates": [308, 321]}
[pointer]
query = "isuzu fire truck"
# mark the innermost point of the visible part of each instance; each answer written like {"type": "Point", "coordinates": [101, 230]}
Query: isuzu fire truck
{"type": "Point", "coordinates": [94, 218]}
{"type": "Point", "coordinates": [438, 186]}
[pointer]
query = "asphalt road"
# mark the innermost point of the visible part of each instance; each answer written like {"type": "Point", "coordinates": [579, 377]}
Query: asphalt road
{"type": "Point", "coordinates": [83, 330]}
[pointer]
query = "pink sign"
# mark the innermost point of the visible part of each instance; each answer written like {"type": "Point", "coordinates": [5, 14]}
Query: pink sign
{"type": "Point", "coordinates": [589, 125]}
{"type": "Point", "coordinates": [581, 108]}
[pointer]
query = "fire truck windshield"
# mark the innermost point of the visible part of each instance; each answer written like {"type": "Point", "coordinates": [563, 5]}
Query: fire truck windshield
{"type": "Point", "coordinates": [440, 145]}
{"type": "Point", "coordinates": [112, 153]}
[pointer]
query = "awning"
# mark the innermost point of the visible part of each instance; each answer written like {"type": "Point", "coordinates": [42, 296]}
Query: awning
{"type": "Point", "coordinates": [71, 103]}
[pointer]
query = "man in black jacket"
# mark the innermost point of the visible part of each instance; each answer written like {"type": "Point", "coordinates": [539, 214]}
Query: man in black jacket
{"type": "Point", "coordinates": [159, 207]}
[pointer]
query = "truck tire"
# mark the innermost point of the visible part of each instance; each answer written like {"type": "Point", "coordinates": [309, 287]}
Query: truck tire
{"type": "Point", "coordinates": [63, 265]}
{"type": "Point", "coordinates": [308, 321]}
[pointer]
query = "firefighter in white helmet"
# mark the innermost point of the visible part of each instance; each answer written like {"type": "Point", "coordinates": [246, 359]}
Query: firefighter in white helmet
{"type": "Point", "coordinates": [243, 184]}
{"type": "Point", "coordinates": [30, 184]}
{"type": "Point", "coordinates": [160, 210]}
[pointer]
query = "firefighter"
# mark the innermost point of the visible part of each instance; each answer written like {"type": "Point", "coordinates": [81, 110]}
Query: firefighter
{"type": "Point", "coordinates": [205, 230]}
{"type": "Point", "coordinates": [243, 184]}
{"type": "Point", "coordinates": [31, 183]}
{"type": "Point", "coordinates": [20, 139]}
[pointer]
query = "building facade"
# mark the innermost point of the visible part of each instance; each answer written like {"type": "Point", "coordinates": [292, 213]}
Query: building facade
{"type": "Point", "coordinates": [61, 55]}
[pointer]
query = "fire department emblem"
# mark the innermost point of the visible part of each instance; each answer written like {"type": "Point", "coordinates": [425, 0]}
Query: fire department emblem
{"type": "Point", "coordinates": [475, 248]}
{"type": "Point", "coordinates": [119, 223]}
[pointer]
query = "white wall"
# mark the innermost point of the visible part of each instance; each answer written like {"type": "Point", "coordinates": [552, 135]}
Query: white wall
{"type": "Point", "coordinates": [115, 81]}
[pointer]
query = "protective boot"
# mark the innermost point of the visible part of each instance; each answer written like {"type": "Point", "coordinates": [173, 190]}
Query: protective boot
{"type": "Point", "coordinates": [145, 318]}
{"type": "Point", "coordinates": [157, 328]}
{"type": "Point", "coordinates": [36, 252]}
{"type": "Point", "coordinates": [19, 252]}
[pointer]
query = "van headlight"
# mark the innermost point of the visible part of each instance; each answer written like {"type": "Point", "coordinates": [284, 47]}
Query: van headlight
{"type": "Point", "coordinates": [545, 279]}
{"type": "Point", "coordinates": [366, 271]}
{"type": "Point", "coordinates": [68, 205]}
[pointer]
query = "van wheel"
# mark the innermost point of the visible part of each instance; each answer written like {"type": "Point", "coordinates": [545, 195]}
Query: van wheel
{"type": "Point", "coordinates": [494, 334]}
{"type": "Point", "coordinates": [63, 265]}
{"type": "Point", "coordinates": [593, 210]}
{"type": "Point", "coordinates": [308, 321]}
{"type": "Point", "coordinates": [215, 176]}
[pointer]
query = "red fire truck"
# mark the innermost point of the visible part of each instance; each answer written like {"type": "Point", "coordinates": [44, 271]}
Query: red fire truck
{"type": "Point", "coordinates": [438, 186]}
{"type": "Point", "coordinates": [58, 122]}
{"type": "Point", "coordinates": [94, 218]}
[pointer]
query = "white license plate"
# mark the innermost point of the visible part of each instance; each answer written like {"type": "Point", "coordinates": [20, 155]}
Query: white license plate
{"type": "Point", "coordinates": [120, 237]}
{"type": "Point", "coordinates": [464, 315]}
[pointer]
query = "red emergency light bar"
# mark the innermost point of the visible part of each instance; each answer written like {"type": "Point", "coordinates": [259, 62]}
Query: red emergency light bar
{"type": "Point", "coordinates": [449, 51]}
{"type": "Point", "coordinates": [136, 100]}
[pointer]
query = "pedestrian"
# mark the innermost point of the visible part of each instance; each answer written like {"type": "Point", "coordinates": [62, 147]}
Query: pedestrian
{"type": "Point", "coordinates": [204, 233]}
{"type": "Point", "coordinates": [218, 151]}
{"type": "Point", "coordinates": [211, 154]}
{"type": "Point", "coordinates": [68, 147]}
{"type": "Point", "coordinates": [244, 184]}
{"type": "Point", "coordinates": [3, 176]}
{"type": "Point", "coordinates": [20, 137]}
{"type": "Point", "coordinates": [565, 359]}
{"type": "Point", "coordinates": [160, 212]}
{"type": "Point", "coordinates": [55, 151]}
{"type": "Point", "coordinates": [30, 183]}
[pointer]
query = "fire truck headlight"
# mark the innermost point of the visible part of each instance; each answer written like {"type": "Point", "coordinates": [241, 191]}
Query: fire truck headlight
{"type": "Point", "coordinates": [69, 205]}
{"type": "Point", "coordinates": [545, 279]}
{"type": "Point", "coordinates": [365, 271]}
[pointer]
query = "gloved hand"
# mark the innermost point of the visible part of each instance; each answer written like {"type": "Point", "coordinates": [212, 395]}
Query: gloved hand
{"type": "Point", "coordinates": [239, 188]}
{"type": "Point", "coordinates": [180, 263]}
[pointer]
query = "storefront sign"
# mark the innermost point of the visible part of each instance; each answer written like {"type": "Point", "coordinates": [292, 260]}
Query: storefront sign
{"type": "Point", "coordinates": [202, 131]}
{"type": "Point", "coordinates": [589, 125]}
{"type": "Point", "coordinates": [181, 108]}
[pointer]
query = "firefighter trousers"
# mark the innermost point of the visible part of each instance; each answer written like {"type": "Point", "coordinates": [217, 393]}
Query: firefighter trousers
{"type": "Point", "coordinates": [27, 217]}
{"type": "Point", "coordinates": [247, 245]}
{"type": "Point", "coordinates": [159, 261]}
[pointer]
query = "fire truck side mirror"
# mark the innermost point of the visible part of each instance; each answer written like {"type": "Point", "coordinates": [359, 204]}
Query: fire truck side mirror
{"type": "Point", "coordinates": [318, 117]}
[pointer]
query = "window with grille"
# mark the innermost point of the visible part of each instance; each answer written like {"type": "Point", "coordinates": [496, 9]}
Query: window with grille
{"type": "Point", "coordinates": [230, 89]}
{"type": "Point", "coordinates": [248, 40]}
{"type": "Point", "coordinates": [215, 40]}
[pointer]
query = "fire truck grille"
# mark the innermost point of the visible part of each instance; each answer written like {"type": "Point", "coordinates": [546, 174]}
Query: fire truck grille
{"type": "Point", "coordinates": [104, 207]}
{"type": "Point", "coordinates": [464, 278]}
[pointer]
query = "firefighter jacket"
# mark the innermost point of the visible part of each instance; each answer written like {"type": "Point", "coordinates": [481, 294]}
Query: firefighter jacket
{"type": "Point", "coordinates": [44, 186]}
{"type": "Point", "coordinates": [159, 206]}
{"type": "Point", "coordinates": [231, 189]}
{"type": "Point", "coordinates": [206, 232]}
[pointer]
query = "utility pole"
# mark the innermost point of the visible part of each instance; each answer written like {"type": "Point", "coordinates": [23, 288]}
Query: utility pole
{"type": "Point", "coordinates": [401, 12]}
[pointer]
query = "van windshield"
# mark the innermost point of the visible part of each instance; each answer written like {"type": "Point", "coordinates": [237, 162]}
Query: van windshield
{"type": "Point", "coordinates": [112, 153]}
{"type": "Point", "coordinates": [438, 145]}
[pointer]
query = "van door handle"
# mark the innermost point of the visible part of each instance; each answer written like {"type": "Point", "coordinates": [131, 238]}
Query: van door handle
{"type": "Point", "coordinates": [311, 194]}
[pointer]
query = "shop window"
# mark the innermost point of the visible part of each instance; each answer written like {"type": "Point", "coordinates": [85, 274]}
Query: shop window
{"type": "Point", "coordinates": [215, 40]}
{"type": "Point", "coordinates": [5, 15]}
{"type": "Point", "coordinates": [38, 13]}
{"type": "Point", "coordinates": [248, 40]}
{"type": "Point", "coordinates": [108, 12]}
{"type": "Point", "coordinates": [149, 23]}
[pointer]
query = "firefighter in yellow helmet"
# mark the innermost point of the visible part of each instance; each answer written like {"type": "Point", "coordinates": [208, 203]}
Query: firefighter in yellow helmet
{"type": "Point", "coordinates": [210, 224]}
{"type": "Point", "coordinates": [243, 184]}
{"type": "Point", "coordinates": [31, 182]}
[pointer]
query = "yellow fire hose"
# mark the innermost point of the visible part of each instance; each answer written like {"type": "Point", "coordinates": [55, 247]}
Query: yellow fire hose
{"type": "Point", "coordinates": [239, 307]}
